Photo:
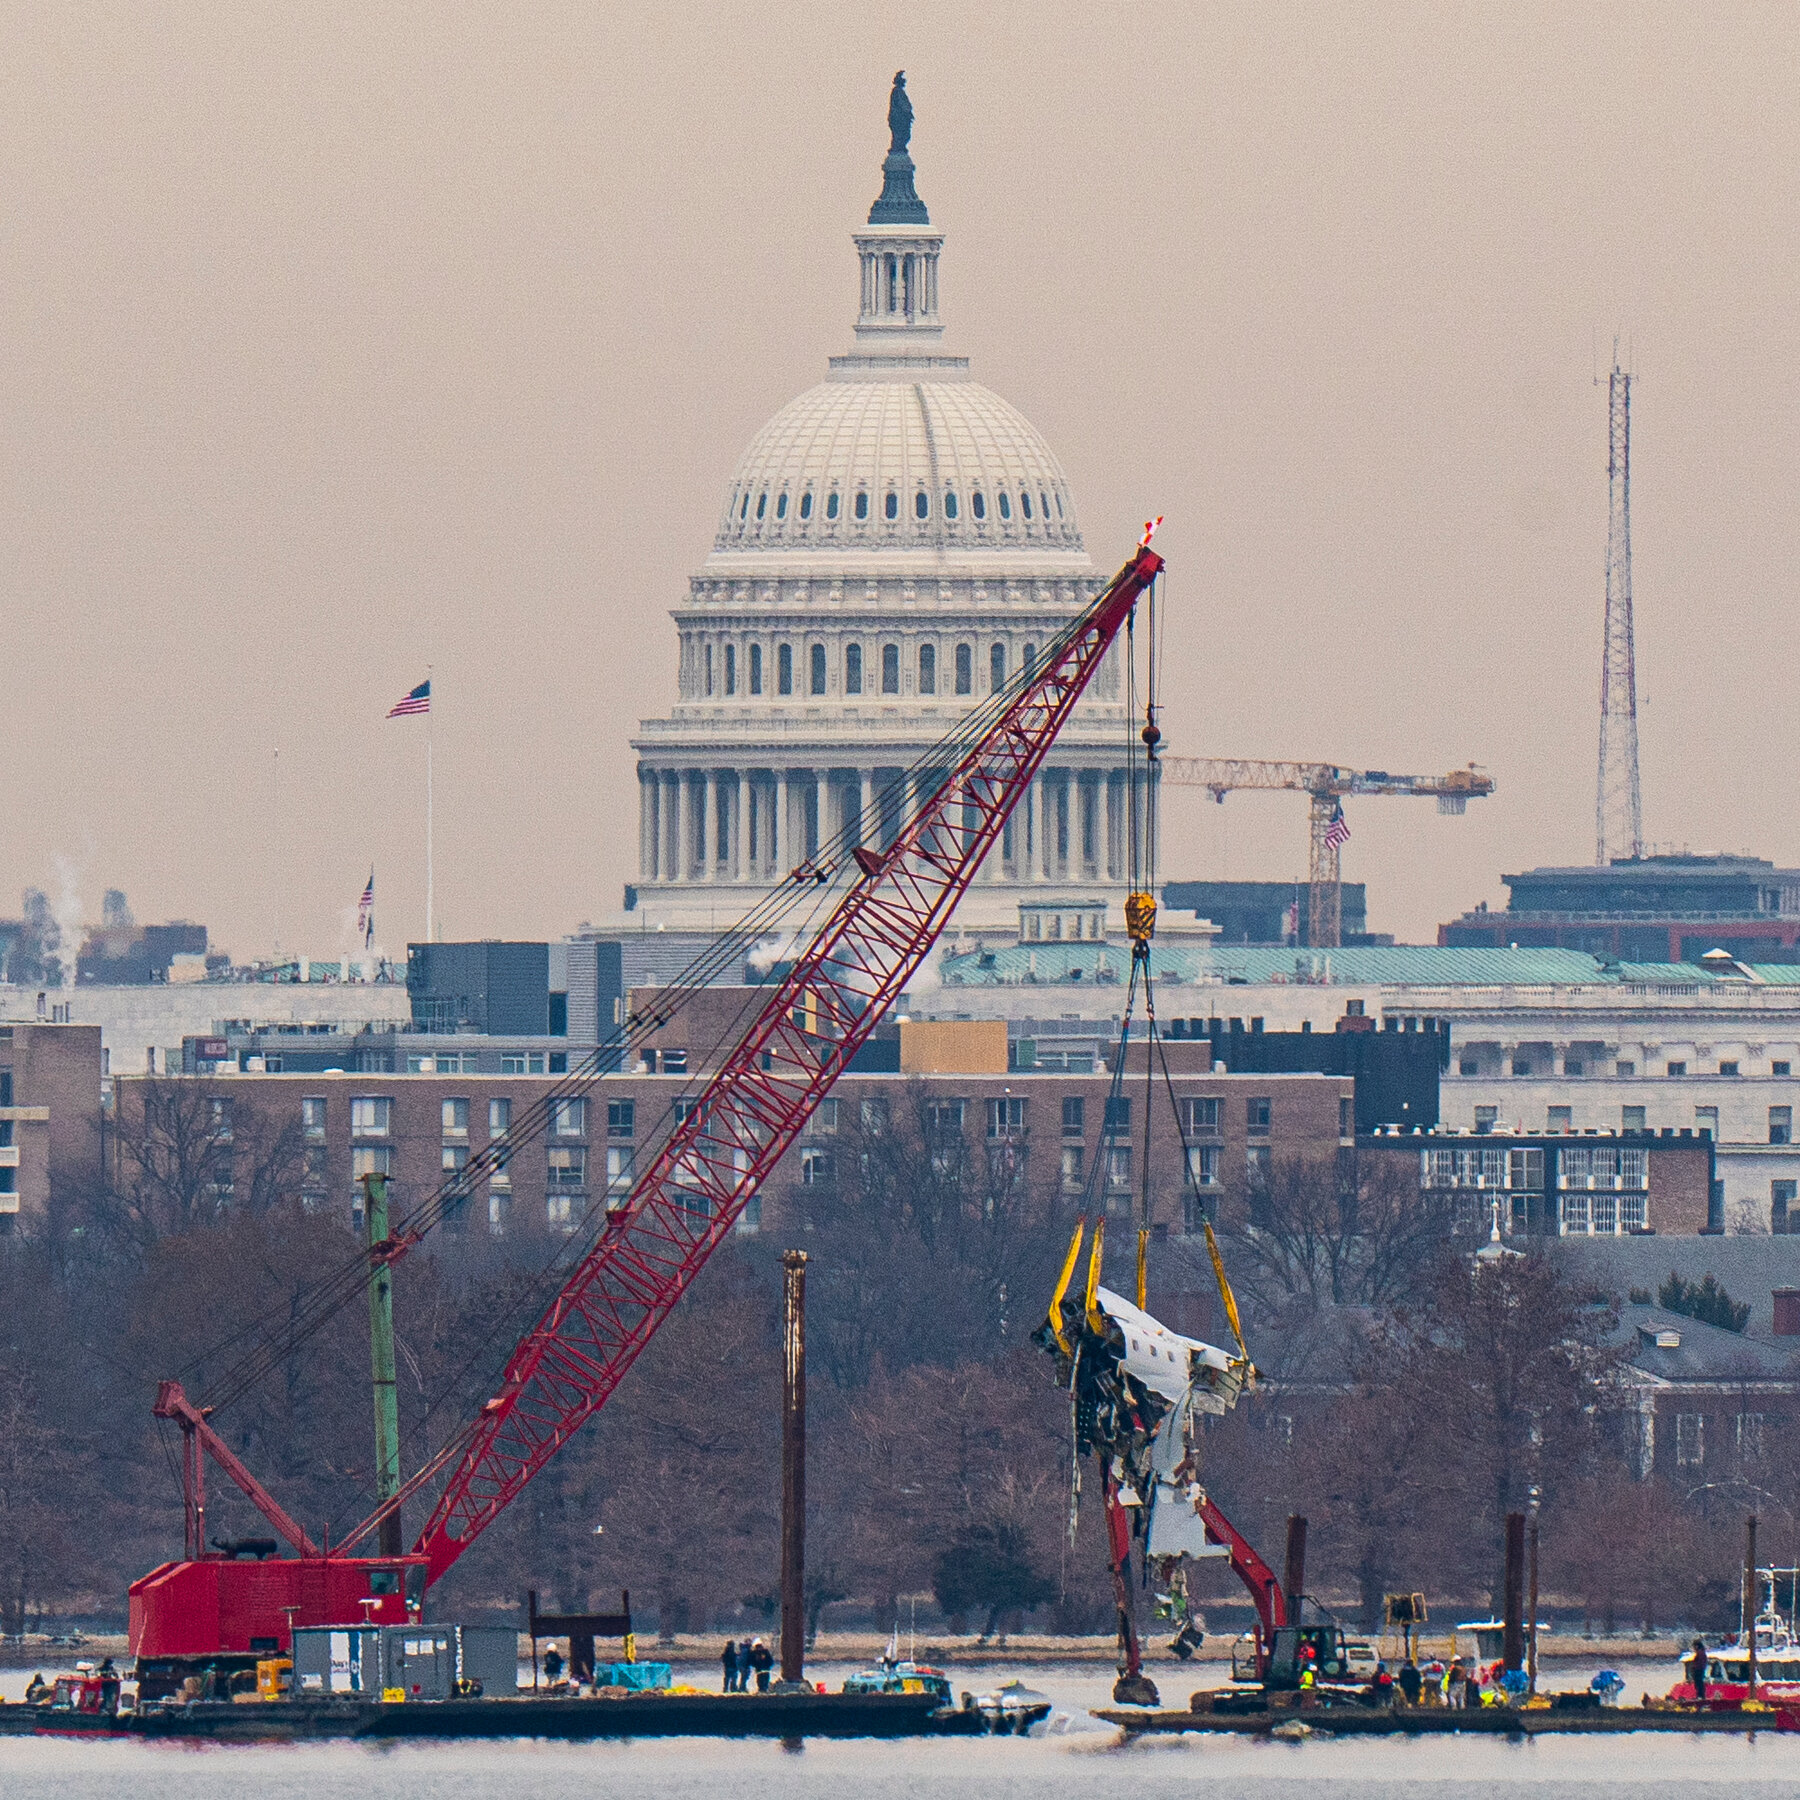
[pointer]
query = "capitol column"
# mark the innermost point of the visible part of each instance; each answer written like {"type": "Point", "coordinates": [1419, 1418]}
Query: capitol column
{"type": "Point", "coordinates": [740, 833]}
{"type": "Point", "coordinates": [869, 829]}
{"type": "Point", "coordinates": [1113, 858]}
{"type": "Point", "coordinates": [821, 829]}
{"type": "Point", "coordinates": [778, 830]}
{"type": "Point", "coordinates": [646, 825]}
{"type": "Point", "coordinates": [667, 831]}
{"type": "Point", "coordinates": [709, 827]}
{"type": "Point", "coordinates": [684, 825]}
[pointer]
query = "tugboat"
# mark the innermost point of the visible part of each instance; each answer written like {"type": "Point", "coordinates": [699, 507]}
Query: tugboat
{"type": "Point", "coordinates": [1777, 1653]}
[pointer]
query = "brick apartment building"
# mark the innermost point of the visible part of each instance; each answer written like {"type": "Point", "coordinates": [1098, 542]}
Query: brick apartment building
{"type": "Point", "coordinates": [50, 1116]}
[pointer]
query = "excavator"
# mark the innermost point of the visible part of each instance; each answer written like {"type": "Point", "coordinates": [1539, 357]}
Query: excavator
{"type": "Point", "coordinates": [222, 1607]}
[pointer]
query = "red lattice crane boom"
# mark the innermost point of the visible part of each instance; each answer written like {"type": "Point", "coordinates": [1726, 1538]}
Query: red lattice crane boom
{"type": "Point", "coordinates": [656, 1239]}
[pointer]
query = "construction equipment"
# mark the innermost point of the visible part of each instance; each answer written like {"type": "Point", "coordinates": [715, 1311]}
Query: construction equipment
{"type": "Point", "coordinates": [1328, 784]}
{"type": "Point", "coordinates": [214, 1612]}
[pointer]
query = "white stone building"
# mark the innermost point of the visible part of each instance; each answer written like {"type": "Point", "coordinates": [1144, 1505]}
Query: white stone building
{"type": "Point", "coordinates": [894, 545]}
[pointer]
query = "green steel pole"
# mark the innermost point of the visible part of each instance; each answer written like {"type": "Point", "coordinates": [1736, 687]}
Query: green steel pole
{"type": "Point", "coordinates": [381, 1361]}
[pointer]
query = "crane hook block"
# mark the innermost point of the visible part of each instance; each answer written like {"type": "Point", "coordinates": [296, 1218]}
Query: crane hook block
{"type": "Point", "coordinates": [1140, 917]}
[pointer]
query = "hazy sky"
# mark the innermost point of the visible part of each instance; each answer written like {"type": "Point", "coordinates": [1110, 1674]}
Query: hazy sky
{"type": "Point", "coordinates": [343, 339]}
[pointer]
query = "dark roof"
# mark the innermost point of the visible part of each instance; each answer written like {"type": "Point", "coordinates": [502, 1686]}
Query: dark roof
{"type": "Point", "coordinates": [1705, 1352]}
{"type": "Point", "coordinates": [1748, 1265]}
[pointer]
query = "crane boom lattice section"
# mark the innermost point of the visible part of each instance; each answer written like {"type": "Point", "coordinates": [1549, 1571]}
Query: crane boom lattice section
{"type": "Point", "coordinates": [659, 1236]}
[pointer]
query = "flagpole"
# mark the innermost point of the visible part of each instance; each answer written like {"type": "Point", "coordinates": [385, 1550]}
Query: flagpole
{"type": "Point", "coordinates": [430, 913]}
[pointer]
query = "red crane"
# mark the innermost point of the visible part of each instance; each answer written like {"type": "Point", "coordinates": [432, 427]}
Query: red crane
{"type": "Point", "coordinates": [214, 1607]}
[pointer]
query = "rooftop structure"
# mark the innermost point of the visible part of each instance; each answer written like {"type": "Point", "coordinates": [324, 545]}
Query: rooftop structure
{"type": "Point", "coordinates": [894, 545]}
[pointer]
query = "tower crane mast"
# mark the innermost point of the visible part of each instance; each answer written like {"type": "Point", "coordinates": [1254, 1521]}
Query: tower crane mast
{"type": "Point", "coordinates": [1327, 784]}
{"type": "Point", "coordinates": [655, 1240]}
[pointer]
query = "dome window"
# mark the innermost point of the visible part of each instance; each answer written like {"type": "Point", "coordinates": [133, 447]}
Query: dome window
{"type": "Point", "coordinates": [1044, 507]}
{"type": "Point", "coordinates": [862, 504]}
{"type": "Point", "coordinates": [1030, 656]}
{"type": "Point", "coordinates": [927, 668]}
{"type": "Point", "coordinates": [921, 505]}
{"type": "Point", "coordinates": [1025, 501]}
{"type": "Point", "coordinates": [890, 668]}
{"type": "Point", "coordinates": [709, 678]}
{"type": "Point", "coordinates": [744, 510]}
{"type": "Point", "coordinates": [781, 506]}
{"type": "Point", "coordinates": [1059, 510]}
{"type": "Point", "coordinates": [756, 668]}
{"type": "Point", "coordinates": [818, 668]}
{"type": "Point", "coordinates": [731, 668]}
{"type": "Point", "coordinates": [762, 504]}
{"type": "Point", "coordinates": [806, 504]}
{"type": "Point", "coordinates": [831, 504]}
{"type": "Point", "coordinates": [965, 669]}
{"type": "Point", "coordinates": [950, 503]}
{"type": "Point", "coordinates": [784, 669]}
{"type": "Point", "coordinates": [997, 667]}
{"type": "Point", "coordinates": [1005, 504]}
{"type": "Point", "coordinates": [892, 505]}
{"type": "Point", "coordinates": [852, 669]}
{"type": "Point", "coordinates": [979, 503]}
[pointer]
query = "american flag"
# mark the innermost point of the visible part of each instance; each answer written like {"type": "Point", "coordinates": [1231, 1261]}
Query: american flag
{"type": "Point", "coordinates": [365, 913]}
{"type": "Point", "coordinates": [418, 701]}
{"type": "Point", "coordinates": [1337, 833]}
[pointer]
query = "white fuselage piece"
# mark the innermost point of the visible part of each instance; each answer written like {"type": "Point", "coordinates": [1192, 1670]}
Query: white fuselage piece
{"type": "Point", "coordinates": [1163, 1360]}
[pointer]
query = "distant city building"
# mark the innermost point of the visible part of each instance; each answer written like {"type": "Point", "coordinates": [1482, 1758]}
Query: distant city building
{"type": "Point", "coordinates": [50, 1117]}
{"type": "Point", "coordinates": [1649, 909]}
{"type": "Point", "coordinates": [895, 545]}
{"type": "Point", "coordinates": [1266, 912]}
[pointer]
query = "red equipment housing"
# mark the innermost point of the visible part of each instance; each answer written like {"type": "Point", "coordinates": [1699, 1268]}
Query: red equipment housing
{"type": "Point", "coordinates": [656, 1239]}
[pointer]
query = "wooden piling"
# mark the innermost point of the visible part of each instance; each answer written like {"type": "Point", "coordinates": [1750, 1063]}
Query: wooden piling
{"type": "Point", "coordinates": [793, 1466]}
{"type": "Point", "coordinates": [1513, 1644]}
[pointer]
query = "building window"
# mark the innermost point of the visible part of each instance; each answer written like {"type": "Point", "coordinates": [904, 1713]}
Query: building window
{"type": "Point", "coordinates": [1005, 504]}
{"type": "Point", "coordinates": [456, 1156]}
{"type": "Point", "coordinates": [852, 670]}
{"type": "Point", "coordinates": [1677, 1068]}
{"type": "Point", "coordinates": [979, 504]}
{"type": "Point", "coordinates": [675, 1062]}
{"type": "Point", "coordinates": [1117, 1119]}
{"type": "Point", "coordinates": [818, 668]}
{"type": "Point", "coordinates": [824, 1120]}
{"type": "Point", "coordinates": [1074, 1116]}
{"type": "Point", "coordinates": [1573, 1065]}
{"type": "Point", "coordinates": [1782, 1219]}
{"type": "Point", "coordinates": [1780, 1068]}
{"type": "Point", "coordinates": [367, 1160]}
{"type": "Point", "coordinates": [1748, 1430]}
{"type": "Point", "coordinates": [965, 669]}
{"type": "Point", "coordinates": [949, 503]}
{"type": "Point", "coordinates": [784, 668]}
{"type": "Point", "coordinates": [1346, 1116]}
{"type": "Point", "coordinates": [312, 1118]}
{"type": "Point", "coordinates": [1468, 1066]}
{"type": "Point", "coordinates": [921, 505]}
{"type": "Point", "coordinates": [815, 1168]}
{"type": "Point", "coordinates": [1256, 1165]}
{"type": "Point", "coordinates": [499, 1117]}
{"type": "Point", "coordinates": [1074, 1173]}
{"type": "Point", "coordinates": [1521, 1065]}
{"type": "Point", "coordinates": [500, 1172]}
{"type": "Point", "coordinates": [806, 504]}
{"type": "Point", "coordinates": [566, 1166]}
{"type": "Point", "coordinates": [1006, 1117]}
{"type": "Point", "coordinates": [1203, 1165]}
{"type": "Point", "coordinates": [890, 668]}
{"type": "Point", "coordinates": [456, 1118]}
{"type": "Point", "coordinates": [731, 668]}
{"type": "Point", "coordinates": [927, 669]}
{"type": "Point", "coordinates": [1631, 1118]}
{"type": "Point", "coordinates": [1626, 1069]}
{"type": "Point", "coordinates": [621, 1118]}
{"type": "Point", "coordinates": [1486, 1118]}
{"type": "Point", "coordinates": [1781, 1124]}
{"type": "Point", "coordinates": [1706, 1118]}
{"type": "Point", "coordinates": [559, 1212]}
{"type": "Point", "coordinates": [619, 1162]}
{"type": "Point", "coordinates": [1559, 1119]}
{"type": "Point", "coordinates": [1258, 1109]}
{"type": "Point", "coordinates": [997, 667]}
{"type": "Point", "coordinates": [891, 505]}
{"type": "Point", "coordinates": [568, 1118]}
{"type": "Point", "coordinates": [1118, 1168]}
{"type": "Point", "coordinates": [1201, 1116]}
{"type": "Point", "coordinates": [709, 671]}
{"type": "Point", "coordinates": [1690, 1440]}
{"type": "Point", "coordinates": [1196, 1212]}
{"type": "Point", "coordinates": [756, 668]}
{"type": "Point", "coordinates": [944, 1118]}
{"type": "Point", "coordinates": [781, 507]}
{"type": "Point", "coordinates": [1025, 501]}
{"type": "Point", "coordinates": [831, 504]}
{"type": "Point", "coordinates": [762, 504]}
{"type": "Point", "coordinates": [873, 1116]}
{"type": "Point", "coordinates": [369, 1116]}
{"type": "Point", "coordinates": [521, 1062]}
{"type": "Point", "coordinates": [1728, 1068]}
{"type": "Point", "coordinates": [862, 504]}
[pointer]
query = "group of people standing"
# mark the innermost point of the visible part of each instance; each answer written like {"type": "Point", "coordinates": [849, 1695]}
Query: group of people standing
{"type": "Point", "coordinates": [741, 1660]}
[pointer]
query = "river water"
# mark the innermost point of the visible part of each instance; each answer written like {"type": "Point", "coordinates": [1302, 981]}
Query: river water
{"type": "Point", "coordinates": [1079, 1753]}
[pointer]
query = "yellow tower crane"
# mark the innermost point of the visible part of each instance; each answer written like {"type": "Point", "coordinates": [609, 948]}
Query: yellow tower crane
{"type": "Point", "coordinates": [1327, 784]}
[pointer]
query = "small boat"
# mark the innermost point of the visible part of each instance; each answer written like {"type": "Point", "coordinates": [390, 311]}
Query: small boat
{"type": "Point", "coordinates": [1009, 1711]}
{"type": "Point", "coordinates": [895, 1674]}
{"type": "Point", "coordinates": [1777, 1653]}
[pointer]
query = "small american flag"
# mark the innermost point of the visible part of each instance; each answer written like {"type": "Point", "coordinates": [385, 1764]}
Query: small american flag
{"type": "Point", "coordinates": [1337, 833]}
{"type": "Point", "coordinates": [365, 913]}
{"type": "Point", "coordinates": [418, 701]}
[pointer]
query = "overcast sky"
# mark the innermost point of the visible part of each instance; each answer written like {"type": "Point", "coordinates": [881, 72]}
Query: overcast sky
{"type": "Point", "coordinates": [343, 339]}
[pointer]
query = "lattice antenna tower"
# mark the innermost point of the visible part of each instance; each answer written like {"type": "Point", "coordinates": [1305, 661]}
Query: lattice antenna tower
{"type": "Point", "coordinates": [1618, 806]}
